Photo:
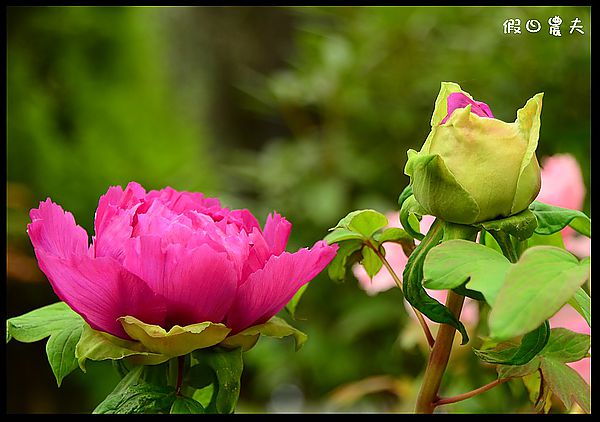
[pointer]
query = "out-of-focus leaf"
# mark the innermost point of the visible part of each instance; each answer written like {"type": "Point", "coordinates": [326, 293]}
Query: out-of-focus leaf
{"type": "Point", "coordinates": [582, 303]}
{"type": "Point", "coordinates": [186, 405]}
{"type": "Point", "coordinates": [347, 255]}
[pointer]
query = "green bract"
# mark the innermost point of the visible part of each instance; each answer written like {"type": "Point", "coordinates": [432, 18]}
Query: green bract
{"type": "Point", "coordinates": [472, 169]}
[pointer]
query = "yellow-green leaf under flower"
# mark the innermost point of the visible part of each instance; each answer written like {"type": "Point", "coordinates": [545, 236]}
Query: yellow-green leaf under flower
{"type": "Point", "coordinates": [275, 327]}
{"type": "Point", "coordinates": [178, 340]}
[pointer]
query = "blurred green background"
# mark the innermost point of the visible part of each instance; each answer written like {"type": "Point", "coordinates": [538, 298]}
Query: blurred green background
{"type": "Point", "coordinates": [305, 110]}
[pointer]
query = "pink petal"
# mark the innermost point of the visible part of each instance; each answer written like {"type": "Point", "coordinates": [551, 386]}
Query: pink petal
{"type": "Point", "coordinates": [276, 233]}
{"type": "Point", "coordinates": [245, 220]}
{"type": "Point", "coordinates": [101, 290]}
{"type": "Point", "coordinates": [198, 284]}
{"type": "Point", "coordinates": [562, 182]}
{"type": "Point", "coordinates": [113, 220]}
{"type": "Point", "coordinates": [55, 232]}
{"type": "Point", "coordinates": [460, 100]}
{"type": "Point", "coordinates": [269, 289]}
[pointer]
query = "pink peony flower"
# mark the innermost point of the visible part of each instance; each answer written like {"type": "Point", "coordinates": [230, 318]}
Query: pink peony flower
{"type": "Point", "coordinates": [171, 258]}
{"type": "Point", "coordinates": [394, 254]}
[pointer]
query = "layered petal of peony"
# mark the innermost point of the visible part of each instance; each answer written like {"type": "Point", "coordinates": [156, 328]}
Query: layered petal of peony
{"type": "Point", "coordinates": [198, 284]}
{"type": "Point", "coordinates": [277, 232]}
{"type": "Point", "coordinates": [54, 231]}
{"type": "Point", "coordinates": [270, 288]}
{"type": "Point", "coordinates": [113, 220]}
{"type": "Point", "coordinates": [101, 291]}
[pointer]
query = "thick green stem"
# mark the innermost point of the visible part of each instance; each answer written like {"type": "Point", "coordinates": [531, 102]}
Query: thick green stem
{"type": "Point", "coordinates": [440, 353]}
{"type": "Point", "coordinates": [438, 359]}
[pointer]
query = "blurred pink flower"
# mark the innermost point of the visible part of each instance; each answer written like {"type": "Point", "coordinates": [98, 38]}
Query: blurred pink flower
{"type": "Point", "coordinates": [395, 256]}
{"type": "Point", "coordinates": [563, 186]}
{"type": "Point", "coordinates": [171, 258]}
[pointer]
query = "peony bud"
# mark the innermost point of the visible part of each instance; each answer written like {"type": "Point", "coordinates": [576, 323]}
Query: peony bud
{"type": "Point", "coordinates": [472, 166]}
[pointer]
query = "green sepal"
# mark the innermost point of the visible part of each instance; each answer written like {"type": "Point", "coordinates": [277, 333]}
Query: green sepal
{"type": "Point", "coordinates": [410, 215]}
{"type": "Point", "coordinates": [521, 225]}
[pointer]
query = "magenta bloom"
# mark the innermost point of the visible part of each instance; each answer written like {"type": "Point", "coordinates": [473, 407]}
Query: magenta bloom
{"type": "Point", "coordinates": [460, 100]}
{"type": "Point", "coordinates": [171, 258]}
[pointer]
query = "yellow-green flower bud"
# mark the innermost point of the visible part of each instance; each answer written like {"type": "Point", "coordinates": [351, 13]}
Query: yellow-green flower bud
{"type": "Point", "coordinates": [472, 166]}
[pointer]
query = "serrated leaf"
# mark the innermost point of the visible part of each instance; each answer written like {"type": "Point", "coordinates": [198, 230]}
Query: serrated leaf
{"type": "Point", "coordinates": [371, 262]}
{"type": "Point", "coordinates": [566, 384]}
{"type": "Point", "coordinates": [347, 255]}
{"type": "Point", "coordinates": [227, 365]}
{"type": "Point", "coordinates": [186, 405]}
{"type": "Point", "coordinates": [536, 287]}
{"type": "Point", "coordinates": [452, 263]}
{"type": "Point", "coordinates": [414, 292]}
{"type": "Point", "coordinates": [582, 303]}
{"type": "Point", "coordinates": [552, 219]}
{"type": "Point", "coordinates": [531, 344]}
{"type": "Point", "coordinates": [521, 225]}
{"type": "Point", "coordinates": [364, 222]}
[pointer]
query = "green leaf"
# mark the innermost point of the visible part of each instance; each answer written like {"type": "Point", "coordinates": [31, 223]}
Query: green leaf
{"type": "Point", "coordinates": [552, 219]}
{"type": "Point", "coordinates": [339, 235]}
{"type": "Point", "coordinates": [293, 303]}
{"type": "Point", "coordinates": [452, 263]}
{"type": "Point", "coordinates": [518, 371]}
{"type": "Point", "coordinates": [582, 303]}
{"type": "Point", "coordinates": [60, 349]}
{"type": "Point", "coordinates": [186, 405]}
{"type": "Point", "coordinates": [531, 344]}
{"type": "Point", "coordinates": [42, 322]}
{"type": "Point", "coordinates": [413, 283]}
{"type": "Point", "coordinates": [393, 234]}
{"type": "Point", "coordinates": [275, 327]}
{"type": "Point", "coordinates": [566, 384]}
{"type": "Point", "coordinates": [96, 345]}
{"type": "Point", "coordinates": [554, 239]}
{"type": "Point", "coordinates": [138, 398]}
{"type": "Point", "coordinates": [347, 255]}
{"type": "Point", "coordinates": [365, 222]}
{"type": "Point", "coordinates": [227, 365]}
{"type": "Point", "coordinates": [371, 262]}
{"type": "Point", "coordinates": [520, 225]}
{"type": "Point", "coordinates": [63, 327]}
{"type": "Point", "coordinates": [536, 287]}
{"type": "Point", "coordinates": [410, 214]}
{"type": "Point", "coordinates": [406, 193]}
{"type": "Point", "coordinates": [567, 346]}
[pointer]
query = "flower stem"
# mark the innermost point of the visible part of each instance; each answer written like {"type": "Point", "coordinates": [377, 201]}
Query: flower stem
{"type": "Point", "coordinates": [506, 244]}
{"type": "Point", "coordinates": [468, 395]}
{"type": "Point", "coordinates": [180, 365]}
{"type": "Point", "coordinates": [398, 282]}
{"type": "Point", "coordinates": [438, 359]}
